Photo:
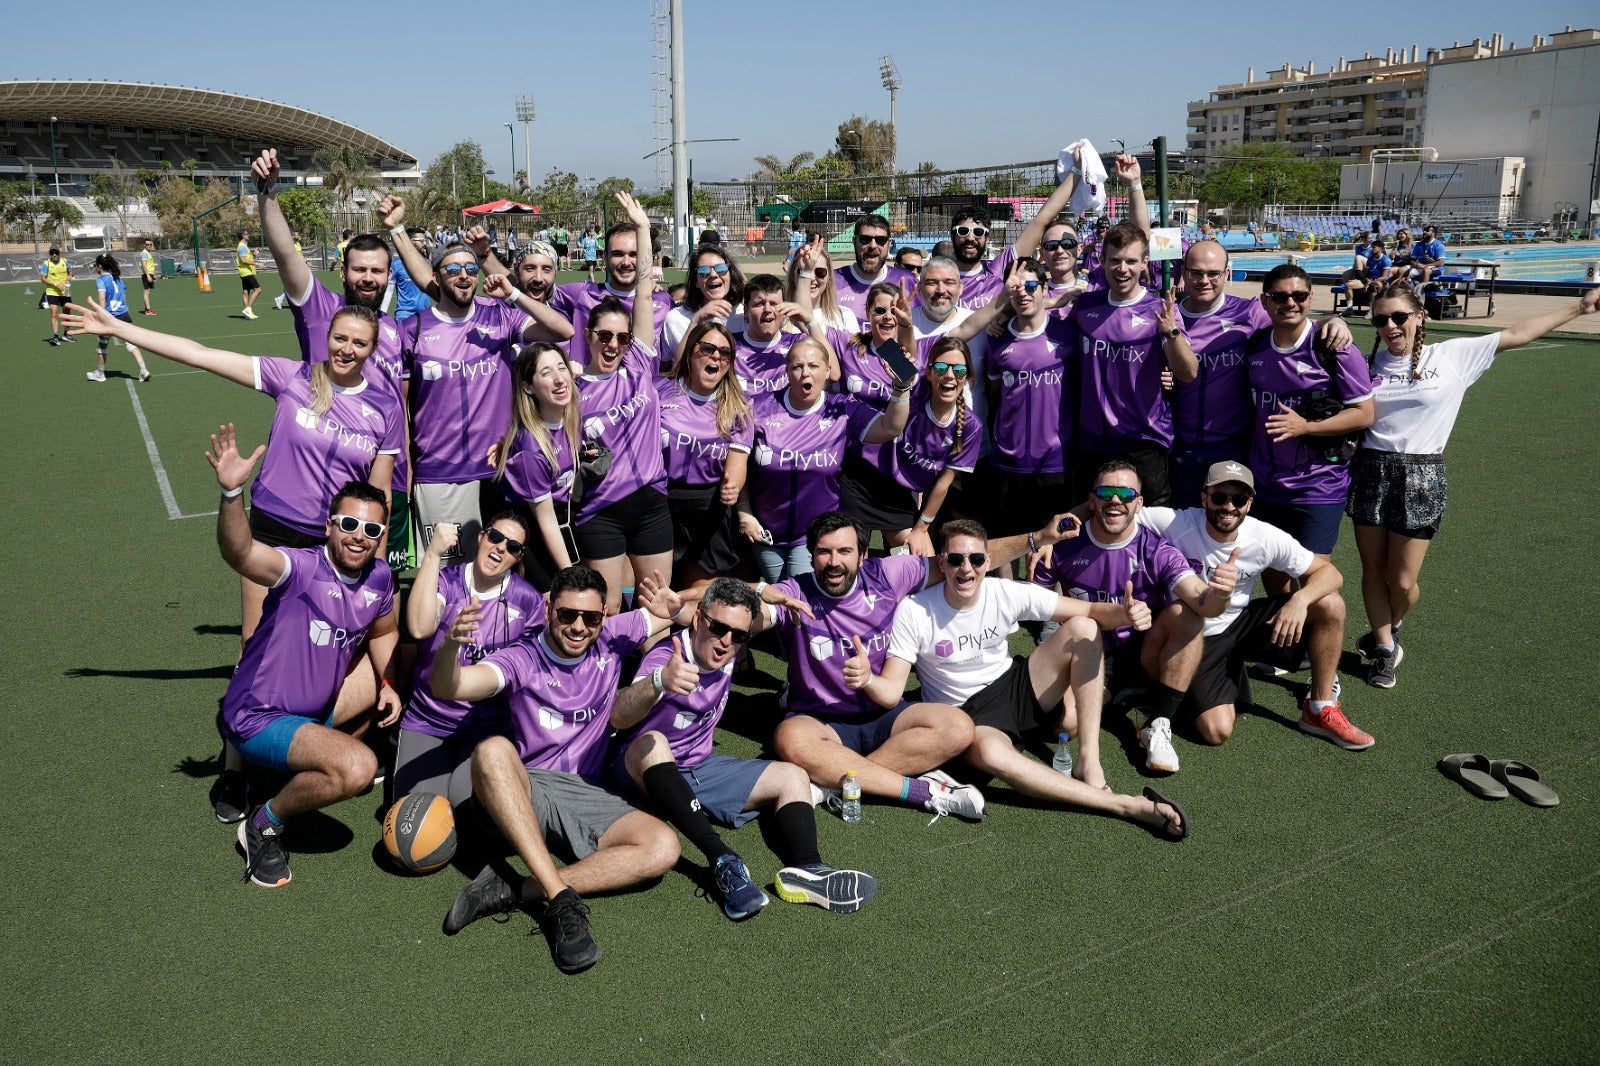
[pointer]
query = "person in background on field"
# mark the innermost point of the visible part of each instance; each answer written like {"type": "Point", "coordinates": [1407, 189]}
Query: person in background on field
{"type": "Point", "coordinates": [112, 295]}
{"type": "Point", "coordinates": [147, 273]}
{"type": "Point", "coordinates": [57, 278]}
{"type": "Point", "coordinates": [245, 259]}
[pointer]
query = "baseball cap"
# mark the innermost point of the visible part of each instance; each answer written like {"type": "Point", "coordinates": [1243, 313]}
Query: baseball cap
{"type": "Point", "coordinates": [1228, 470]}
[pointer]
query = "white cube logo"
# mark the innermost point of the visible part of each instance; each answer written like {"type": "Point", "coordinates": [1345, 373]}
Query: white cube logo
{"type": "Point", "coordinates": [551, 719]}
{"type": "Point", "coordinates": [683, 720]}
{"type": "Point", "coordinates": [320, 632]}
{"type": "Point", "coordinates": [593, 427]}
{"type": "Point", "coordinates": [306, 418]}
{"type": "Point", "coordinates": [855, 383]}
{"type": "Point", "coordinates": [763, 455]}
{"type": "Point", "coordinates": [666, 438]}
{"type": "Point", "coordinates": [822, 648]}
{"type": "Point", "coordinates": [432, 371]}
{"type": "Point", "coordinates": [1008, 378]}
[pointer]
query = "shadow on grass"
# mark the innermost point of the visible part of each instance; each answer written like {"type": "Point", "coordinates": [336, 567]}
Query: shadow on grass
{"type": "Point", "coordinates": [209, 630]}
{"type": "Point", "coordinates": [223, 673]}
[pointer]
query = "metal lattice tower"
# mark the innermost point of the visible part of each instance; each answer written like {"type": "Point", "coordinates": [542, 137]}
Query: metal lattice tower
{"type": "Point", "coordinates": [661, 107]}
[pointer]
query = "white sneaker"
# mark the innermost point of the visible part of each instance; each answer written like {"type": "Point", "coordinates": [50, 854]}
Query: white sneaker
{"type": "Point", "coordinates": [827, 798]}
{"type": "Point", "coordinates": [144, 375]}
{"type": "Point", "coordinates": [96, 375]}
{"type": "Point", "coordinates": [277, 303]}
{"type": "Point", "coordinates": [249, 313]}
{"type": "Point", "coordinates": [949, 796]}
{"type": "Point", "coordinates": [1156, 739]}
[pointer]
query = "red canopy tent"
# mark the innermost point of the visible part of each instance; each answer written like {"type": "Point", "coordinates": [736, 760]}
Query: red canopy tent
{"type": "Point", "coordinates": [500, 207]}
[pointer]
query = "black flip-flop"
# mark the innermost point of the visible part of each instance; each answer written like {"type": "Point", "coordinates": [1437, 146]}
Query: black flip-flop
{"type": "Point", "coordinates": [1154, 795]}
{"type": "Point", "coordinates": [1472, 772]}
{"type": "Point", "coordinates": [1523, 782]}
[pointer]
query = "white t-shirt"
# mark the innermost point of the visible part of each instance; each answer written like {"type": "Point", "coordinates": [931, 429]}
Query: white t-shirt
{"type": "Point", "coordinates": [959, 653]}
{"type": "Point", "coordinates": [675, 327]}
{"type": "Point", "coordinates": [1261, 546]}
{"type": "Point", "coordinates": [1416, 417]}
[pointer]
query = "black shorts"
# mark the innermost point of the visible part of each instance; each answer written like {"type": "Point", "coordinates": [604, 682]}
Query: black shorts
{"type": "Point", "coordinates": [1008, 704]}
{"type": "Point", "coordinates": [1221, 678]}
{"type": "Point", "coordinates": [1404, 494]}
{"type": "Point", "coordinates": [149, 282]}
{"type": "Point", "coordinates": [249, 281]}
{"type": "Point", "coordinates": [275, 534]}
{"type": "Point", "coordinates": [877, 500]}
{"type": "Point", "coordinates": [637, 524]}
{"type": "Point", "coordinates": [561, 250]}
{"type": "Point", "coordinates": [1152, 462]}
{"type": "Point", "coordinates": [1008, 503]}
{"type": "Point", "coordinates": [56, 301]}
{"type": "Point", "coordinates": [702, 528]}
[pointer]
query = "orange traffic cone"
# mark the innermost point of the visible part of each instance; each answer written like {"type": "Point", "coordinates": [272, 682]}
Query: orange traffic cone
{"type": "Point", "coordinates": [203, 276]}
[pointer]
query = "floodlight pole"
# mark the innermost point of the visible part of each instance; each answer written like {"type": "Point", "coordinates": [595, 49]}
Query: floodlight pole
{"type": "Point", "coordinates": [525, 114]}
{"type": "Point", "coordinates": [54, 166]}
{"type": "Point", "coordinates": [680, 137]}
{"type": "Point", "coordinates": [511, 132]}
{"type": "Point", "coordinates": [891, 81]}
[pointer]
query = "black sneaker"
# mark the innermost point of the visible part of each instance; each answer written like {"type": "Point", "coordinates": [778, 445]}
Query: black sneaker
{"type": "Point", "coordinates": [1367, 643]}
{"type": "Point", "coordinates": [1381, 673]}
{"type": "Point", "coordinates": [486, 894]}
{"type": "Point", "coordinates": [230, 795]}
{"type": "Point", "coordinates": [266, 863]}
{"type": "Point", "coordinates": [565, 923]}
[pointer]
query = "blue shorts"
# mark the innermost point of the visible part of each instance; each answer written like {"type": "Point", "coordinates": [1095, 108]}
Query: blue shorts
{"type": "Point", "coordinates": [722, 784]}
{"type": "Point", "coordinates": [864, 735]}
{"type": "Point", "coordinates": [1315, 525]}
{"type": "Point", "coordinates": [270, 747]}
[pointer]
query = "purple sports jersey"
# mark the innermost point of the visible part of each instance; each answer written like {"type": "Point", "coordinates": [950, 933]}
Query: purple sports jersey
{"type": "Point", "coordinates": [862, 371]}
{"type": "Point", "coordinates": [531, 476]}
{"type": "Point", "coordinates": [817, 648]}
{"type": "Point", "coordinates": [1120, 404]}
{"type": "Point", "coordinates": [619, 410]}
{"type": "Point", "coordinates": [762, 367]}
{"type": "Point", "coordinates": [1031, 422]}
{"type": "Point", "coordinates": [695, 448]}
{"type": "Point", "coordinates": [851, 291]}
{"type": "Point", "coordinates": [1089, 570]}
{"type": "Point", "coordinates": [310, 456]}
{"type": "Point", "coordinates": [576, 299]}
{"type": "Point", "coordinates": [560, 707]}
{"type": "Point", "coordinates": [687, 721]}
{"type": "Point", "coordinates": [922, 451]}
{"type": "Point", "coordinates": [1289, 471]}
{"type": "Point", "coordinates": [795, 459]}
{"type": "Point", "coordinates": [980, 284]}
{"type": "Point", "coordinates": [1214, 408]}
{"type": "Point", "coordinates": [384, 368]}
{"type": "Point", "coordinates": [508, 611]}
{"type": "Point", "coordinates": [314, 623]}
{"type": "Point", "coordinates": [460, 376]}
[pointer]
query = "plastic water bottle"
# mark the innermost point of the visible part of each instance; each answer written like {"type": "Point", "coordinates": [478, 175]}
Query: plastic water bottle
{"type": "Point", "coordinates": [1063, 760]}
{"type": "Point", "coordinates": [850, 793]}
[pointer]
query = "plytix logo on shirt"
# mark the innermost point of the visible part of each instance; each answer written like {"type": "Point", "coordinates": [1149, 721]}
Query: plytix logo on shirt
{"type": "Point", "coordinates": [943, 648]}
{"type": "Point", "coordinates": [822, 648]}
{"type": "Point", "coordinates": [305, 418]}
{"type": "Point", "coordinates": [763, 454]}
{"type": "Point", "coordinates": [432, 371]}
{"type": "Point", "coordinates": [551, 719]}
{"type": "Point", "coordinates": [593, 427]}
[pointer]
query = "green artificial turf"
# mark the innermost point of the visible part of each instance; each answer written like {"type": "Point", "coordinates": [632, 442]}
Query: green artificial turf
{"type": "Point", "coordinates": [1330, 906]}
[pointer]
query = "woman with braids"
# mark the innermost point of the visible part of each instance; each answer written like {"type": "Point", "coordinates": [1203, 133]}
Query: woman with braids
{"type": "Point", "coordinates": [329, 426]}
{"type": "Point", "coordinates": [1397, 493]}
{"type": "Point", "coordinates": [900, 487]}
{"type": "Point", "coordinates": [706, 434]}
{"type": "Point", "coordinates": [535, 460]}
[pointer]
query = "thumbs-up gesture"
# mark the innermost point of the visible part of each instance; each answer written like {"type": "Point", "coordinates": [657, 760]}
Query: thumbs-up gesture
{"type": "Point", "coordinates": [679, 676]}
{"type": "Point", "coordinates": [1226, 576]}
{"type": "Point", "coordinates": [1138, 611]}
{"type": "Point", "coordinates": [858, 668]}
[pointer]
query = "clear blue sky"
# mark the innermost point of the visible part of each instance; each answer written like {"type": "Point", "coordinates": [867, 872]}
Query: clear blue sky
{"type": "Point", "coordinates": [978, 88]}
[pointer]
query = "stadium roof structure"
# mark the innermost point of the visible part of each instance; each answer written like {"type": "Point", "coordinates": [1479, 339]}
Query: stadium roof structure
{"type": "Point", "coordinates": [179, 107]}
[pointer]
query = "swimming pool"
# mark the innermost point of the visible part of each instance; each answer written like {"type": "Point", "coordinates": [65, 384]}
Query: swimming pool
{"type": "Point", "coordinates": [1551, 262]}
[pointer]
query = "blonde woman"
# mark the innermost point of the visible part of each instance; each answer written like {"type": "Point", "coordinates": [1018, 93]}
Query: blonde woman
{"type": "Point", "coordinates": [536, 459]}
{"type": "Point", "coordinates": [816, 271]}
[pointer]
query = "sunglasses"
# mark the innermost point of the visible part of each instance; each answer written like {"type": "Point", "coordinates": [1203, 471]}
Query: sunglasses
{"type": "Point", "coordinates": [452, 270]}
{"type": "Point", "coordinates": [955, 559]}
{"type": "Point", "coordinates": [568, 615]}
{"type": "Point", "coordinates": [1281, 298]}
{"type": "Point", "coordinates": [1030, 287]}
{"type": "Point", "coordinates": [605, 336]}
{"type": "Point", "coordinates": [886, 311]}
{"type": "Point", "coordinates": [718, 630]}
{"type": "Point", "coordinates": [941, 368]}
{"type": "Point", "coordinates": [708, 348]}
{"type": "Point", "coordinates": [497, 537]}
{"type": "Point", "coordinates": [820, 273]}
{"type": "Point", "coordinates": [1107, 493]}
{"type": "Point", "coordinates": [1068, 243]}
{"type": "Point", "coordinates": [706, 270]}
{"type": "Point", "coordinates": [872, 238]}
{"type": "Point", "coordinates": [970, 231]}
{"type": "Point", "coordinates": [1238, 499]}
{"type": "Point", "coordinates": [350, 524]}
{"type": "Point", "coordinates": [1393, 318]}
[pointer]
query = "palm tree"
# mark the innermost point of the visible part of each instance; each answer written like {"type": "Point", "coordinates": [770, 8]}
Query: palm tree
{"type": "Point", "coordinates": [344, 170]}
{"type": "Point", "coordinates": [777, 168]}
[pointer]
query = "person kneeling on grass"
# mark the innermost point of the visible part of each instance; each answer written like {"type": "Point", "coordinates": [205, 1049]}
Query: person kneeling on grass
{"type": "Point", "coordinates": [957, 634]}
{"type": "Point", "coordinates": [300, 700]}
{"type": "Point", "coordinates": [667, 718]}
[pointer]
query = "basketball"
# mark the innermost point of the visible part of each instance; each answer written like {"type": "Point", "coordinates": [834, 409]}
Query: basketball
{"type": "Point", "coordinates": [419, 832]}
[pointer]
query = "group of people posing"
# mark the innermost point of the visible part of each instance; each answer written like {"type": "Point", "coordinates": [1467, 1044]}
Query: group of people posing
{"type": "Point", "coordinates": [1142, 458]}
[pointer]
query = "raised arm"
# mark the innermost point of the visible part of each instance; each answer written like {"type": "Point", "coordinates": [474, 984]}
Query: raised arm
{"type": "Point", "coordinates": [1128, 170]}
{"type": "Point", "coordinates": [449, 679]}
{"type": "Point", "coordinates": [545, 323]}
{"type": "Point", "coordinates": [422, 606]}
{"type": "Point", "coordinates": [392, 213]}
{"type": "Point", "coordinates": [1028, 240]}
{"type": "Point", "coordinates": [250, 558]}
{"type": "Point", "coordinates": [980, 319]}
{"type": "Point", "coordinates": [644, 284]}
{"type": "Point", "coordinates": [1531, 329]}
{"type": "Point", "coordinates": [292, 268]}
{"type": "Point", "coordinates": [1174, 343]}
{"type": "Point", "coordinates": [93, 319]}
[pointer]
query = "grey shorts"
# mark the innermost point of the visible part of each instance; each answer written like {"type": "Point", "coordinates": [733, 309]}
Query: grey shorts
{"type": "Point", "coordinates": [456, 502]}
{"type": "Point", "coordinates": [573, 812]}
{"type": "Point", "coordinates": [441, 765]}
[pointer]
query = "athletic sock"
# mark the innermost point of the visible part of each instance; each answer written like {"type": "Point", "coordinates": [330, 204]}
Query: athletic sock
{"type": "Point", "coordinates": [264, 816]}
{"type": "Point", "coordinates": [1166, 702]}
{"type": "Point", "coordinates": [915, 791]}
{"type": "Point", "coordinates": [1318, 706]}
{"type": "Point", "coordinates": [667, 789]}
{"type": "Point", "coordinates": [796, 827]}
{"type": "Point", "coordinates": [1386, 649]}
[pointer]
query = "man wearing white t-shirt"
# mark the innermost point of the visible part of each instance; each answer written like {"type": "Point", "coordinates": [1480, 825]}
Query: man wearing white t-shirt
{"type": "Point", "coordinates": [957, 635]}
{"type": "Point", "coordinates": [1222, 533]}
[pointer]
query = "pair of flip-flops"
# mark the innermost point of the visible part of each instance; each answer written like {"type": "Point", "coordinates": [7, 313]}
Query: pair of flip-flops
{"type": "Point", "coordinates": [1495, 779]}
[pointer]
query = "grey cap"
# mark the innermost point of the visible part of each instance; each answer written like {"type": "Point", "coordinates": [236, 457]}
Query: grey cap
{"type": "Point", "coordinates": [1228, 470]}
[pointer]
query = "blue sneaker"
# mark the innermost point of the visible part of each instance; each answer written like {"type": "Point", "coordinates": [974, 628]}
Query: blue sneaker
{"type": "Point", "coordinates": [741, 898]}
{"type": "Point", "coordinates": [839, 891]}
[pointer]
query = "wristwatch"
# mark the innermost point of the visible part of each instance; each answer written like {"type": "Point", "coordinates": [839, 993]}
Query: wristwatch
{"type": "Point", "coordinates": [1172, 334]}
